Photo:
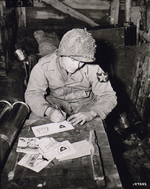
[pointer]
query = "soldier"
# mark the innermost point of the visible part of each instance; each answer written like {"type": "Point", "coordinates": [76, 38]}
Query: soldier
{"type": "Point", "coordinates": [79, 91]}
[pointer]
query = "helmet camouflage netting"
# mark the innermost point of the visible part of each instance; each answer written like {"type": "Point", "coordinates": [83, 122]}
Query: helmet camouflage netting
{"type": "Point", "coordinates": [78, 44]}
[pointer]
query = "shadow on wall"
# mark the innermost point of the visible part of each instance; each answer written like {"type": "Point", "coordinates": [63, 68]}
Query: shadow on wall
{"type": "Point", "coordinates": [105, 56]}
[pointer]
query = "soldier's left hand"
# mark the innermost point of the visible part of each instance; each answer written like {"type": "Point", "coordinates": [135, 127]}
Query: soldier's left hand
{"type": "Point", "coordinates": [82, 117]}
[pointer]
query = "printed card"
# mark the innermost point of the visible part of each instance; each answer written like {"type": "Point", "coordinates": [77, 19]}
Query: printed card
{"type": "Point", "coordinates": [28, 145]}
{"type": "Point", "coordinates": [65, 148]}
{"type": "Point", "coordinates": [51, 128]}
{"type": "Point", "coordinates": [34, 162]}
{"type": "Point", "coordinates": [82, 149]}
{"type": "Point", "coordinates": [47, 144]}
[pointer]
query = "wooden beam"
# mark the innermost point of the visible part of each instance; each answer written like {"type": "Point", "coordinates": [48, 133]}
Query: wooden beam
{"type": "Point", "coordinates": [110, 169]}
{"type": "Point", "coordinates": [96, 161]}
{"type": "Point", "coordinates": [2, 5]}
{"type": "Point", "coordinates": [67, 10]}
{"type": "Point", "coordinates": [137, 32]}
{"type": "Point", "coordinates": [114, 11]}
{"type": "Point", "coordinates": [90, 4]}
{"type": "Point", "coordinates": [127, 10]}
{"type": "Point", "coordinates": [21, 16]}
{"type": "Point", "coordinates": [1, 15]}
{"type": "Point", "coordinates": [148, 16]}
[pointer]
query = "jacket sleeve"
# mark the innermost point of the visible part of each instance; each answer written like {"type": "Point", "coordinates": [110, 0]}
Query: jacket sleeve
{"type": "Point", "coordinates": [36, 89]}
{"type": "Point", "coordinates": [105, 95]}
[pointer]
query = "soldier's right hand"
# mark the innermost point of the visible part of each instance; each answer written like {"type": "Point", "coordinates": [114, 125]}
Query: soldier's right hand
{"type": "Point", "coordinates": [55, 115]}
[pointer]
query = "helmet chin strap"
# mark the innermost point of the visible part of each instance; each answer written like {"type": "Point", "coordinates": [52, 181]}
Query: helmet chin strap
{"type": "Point", "coordinates": [59, 59]}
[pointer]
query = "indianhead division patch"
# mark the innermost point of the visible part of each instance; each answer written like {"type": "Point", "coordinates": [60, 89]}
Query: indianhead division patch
{"type": "Point", "coordinates": [102, 77]}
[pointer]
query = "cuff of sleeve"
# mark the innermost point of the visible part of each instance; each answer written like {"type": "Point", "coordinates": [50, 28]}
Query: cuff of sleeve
{"type": "Point", "coordinates": [100, 113]}
{"type": "Point", "coordinates": [93, 113]}
{"type": "Point", "coordinates": [49, 111]}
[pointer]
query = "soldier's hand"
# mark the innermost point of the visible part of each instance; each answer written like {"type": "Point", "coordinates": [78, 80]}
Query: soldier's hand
{"type": "Point", "coordinates": [55, 115]}
{"type": "Point", "coordinates": [82, 117]}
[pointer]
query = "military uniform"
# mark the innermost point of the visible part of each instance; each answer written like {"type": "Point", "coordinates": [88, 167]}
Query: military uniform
{"type": "Point", "coordinates": [86, 89]}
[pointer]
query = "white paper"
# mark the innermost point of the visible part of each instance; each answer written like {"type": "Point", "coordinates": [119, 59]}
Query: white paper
{"type": "Point", "coordinates": [47, 144]}
{"type": "Point", "coordinates": [28, 145]}
{"type": "Point", "coordinates": [82, 149]}
{"type": "Point", "coordinates": [51, 128]}
{"type": "Point", "coordinates": [34, 162]}
{"type": "Point", "coordinates": [65, 148]}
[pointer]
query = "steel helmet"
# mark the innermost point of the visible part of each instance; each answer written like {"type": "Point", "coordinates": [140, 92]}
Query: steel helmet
{"type": "Point", "coordinates": [78, 44]}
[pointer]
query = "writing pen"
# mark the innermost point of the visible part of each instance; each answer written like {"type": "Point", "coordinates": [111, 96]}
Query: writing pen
{"type": "Point", "coordinates": [60, 110]}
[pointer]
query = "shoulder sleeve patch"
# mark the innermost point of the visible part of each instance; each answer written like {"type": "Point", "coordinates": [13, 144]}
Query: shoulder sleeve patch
{"type": "Point", "coordinates": [102, 77]}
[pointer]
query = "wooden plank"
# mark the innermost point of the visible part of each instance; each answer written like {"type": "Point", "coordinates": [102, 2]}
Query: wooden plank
{"type": "Point", "coordinates": [1, 21]}
{"type": "Point", "coordinates": [111, 173]}
{"type": "Point", "coordinates": [67, 10]}
{"type": "Point", "coordinates": [114, 12]}
{"type": "Point", "coordinates": [127, 10]}
{"type": "Point", "coordinates": [90, 4]}
{"type": "Point", "coordinates": [96, 161]}
{"type": "Point", "coordinates": [1, 8]}
{"type": "Point", "coordinates": [21, 16]}
{"type": "Point", "coordinates": [40, 11]}
{"type": "Point", "coordinates": [135, 14]}
{"type": "Point", "coordinates": [148, 15]}
{"type": "Point", "coordinates": [137, 32]}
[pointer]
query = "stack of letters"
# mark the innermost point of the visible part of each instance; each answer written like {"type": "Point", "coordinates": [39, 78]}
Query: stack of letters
{"type": "Point", "coordinates": [39, 152]}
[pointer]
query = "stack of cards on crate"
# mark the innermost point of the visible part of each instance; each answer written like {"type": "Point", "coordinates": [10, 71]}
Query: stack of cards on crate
{"type": "Point", "coordinates": [40, 152]}
{"type": "Point", "coordinates": [53, 149]}
{"type": "Point", "coordinates": [28, 145]}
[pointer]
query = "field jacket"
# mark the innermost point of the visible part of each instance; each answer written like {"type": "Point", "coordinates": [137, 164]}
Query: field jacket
{"type": "Point", "coordinates": [87, 87]}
